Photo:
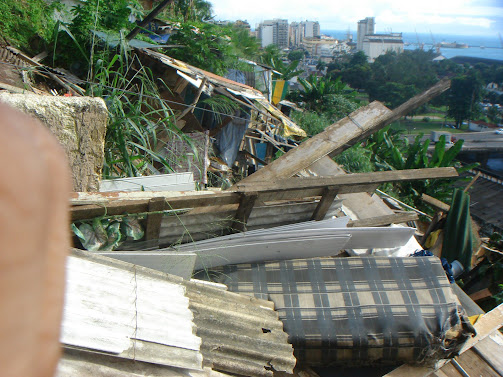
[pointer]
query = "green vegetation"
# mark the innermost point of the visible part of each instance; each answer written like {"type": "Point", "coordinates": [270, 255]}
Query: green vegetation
{"type": "Point", "coordinates": [27, 24]}
{"type": "Point", "coordinates": [311, 122]}
{"type": "Point", "coordinates": [332, 98]}
{"type": "Point", "coordinates": [464, 97]}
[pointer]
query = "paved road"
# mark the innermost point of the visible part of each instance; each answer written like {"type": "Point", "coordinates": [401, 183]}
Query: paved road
{"type": "Point", "coordinates": [476, 141]}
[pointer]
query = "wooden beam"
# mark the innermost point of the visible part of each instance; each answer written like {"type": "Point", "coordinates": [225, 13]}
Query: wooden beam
{"type": "Point", "coordinates": [320, 145]}
{"type": "Point", "coordinates": [124, 207]}
{"type": "Point", "coordinates": [397, 113]}
{"type": "Point", "coordinates": [150, 17]}
{"type": "Point", "coordinates": [154, 218]}
{"type": "Point", "coordinates": [435, 203]}
{"type": "Point", "coordinates": [190, 108]}
{"type": "Point", "coordinates": [346, 180]}
{"type": "Point", "coordinates": [481, 295]}
{"type": "Point", "coordinates": [284, 190]}
{"type": "Point", "coordinates": [486, 325]}
{"type": "Point", "coordinates": [246, 204]}
{"type": "Point", "coordinates": [341, 135]}
{"type": "Point", "coordinates": [324, 204]}
{"type": "Point", "coordinates": [385, 220]}
{"type": "Point", "coordinates": [251, 155]}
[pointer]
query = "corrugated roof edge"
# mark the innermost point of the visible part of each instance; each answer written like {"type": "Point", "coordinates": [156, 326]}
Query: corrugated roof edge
{"type": "Point", "coordinates": [240, 334]}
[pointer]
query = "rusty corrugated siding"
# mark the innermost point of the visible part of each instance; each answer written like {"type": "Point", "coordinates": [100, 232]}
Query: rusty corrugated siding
{"type": "Point", "coordinates": [240, 334]}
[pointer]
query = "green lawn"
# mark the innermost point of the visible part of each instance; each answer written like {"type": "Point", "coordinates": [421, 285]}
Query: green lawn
{"type": "Point", "coordinates": [417, 126]}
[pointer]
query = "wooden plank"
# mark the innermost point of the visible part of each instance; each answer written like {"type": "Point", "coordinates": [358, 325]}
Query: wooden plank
{"type": "Point", "coordinates": [246, 204]}
{"type": "Point", "coordinates": [190, 108]}
{"type": "Point", "coordinates": [486, 325]}
{"type": "Point", "coordinates": [347, 180]}
{"type": "Point", "coordinates": [481, 295]}
{"type": "Point", "coordinates": [435, 203]}
{"type": "Point", "coordinates": [491, 350]}
{"type": "Point", "coordinates": [320, 145]}
{"type": "Point", "coordinates": [396, 114]}
{"type": "Point", "coordinates": [324, 204]}
{"type": "Point", "coordinates": [341, 135]}
{"type": "Point", "coordinates": [150, 17]}
{"type": "Point", "coordinates": [123, 207]}
{"type": "Point", "coordinates": [385, 220]}
{"type": "Point", "coordinates": [473, 365]}
{"type": "Point", "coordinates": [154, 218]}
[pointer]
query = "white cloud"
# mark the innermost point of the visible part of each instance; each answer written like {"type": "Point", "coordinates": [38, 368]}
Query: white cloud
{"type": "Point", "coordinates": [453, 16]}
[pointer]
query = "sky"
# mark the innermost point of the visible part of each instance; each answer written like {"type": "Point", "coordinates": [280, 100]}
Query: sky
{"type": "Point", "coordinates": [456, 17]}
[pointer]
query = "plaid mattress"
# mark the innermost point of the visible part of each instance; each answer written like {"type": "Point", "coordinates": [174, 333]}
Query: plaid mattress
{"type": "Point", "coordinates": [357, 311]}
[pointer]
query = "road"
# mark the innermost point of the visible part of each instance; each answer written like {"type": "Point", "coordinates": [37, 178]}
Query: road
{"type": "Point", "coordinates": [475, 141]}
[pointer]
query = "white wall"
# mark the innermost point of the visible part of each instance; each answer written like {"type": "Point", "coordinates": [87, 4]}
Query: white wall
{"type": "Point", "coordinates": [267, 35]}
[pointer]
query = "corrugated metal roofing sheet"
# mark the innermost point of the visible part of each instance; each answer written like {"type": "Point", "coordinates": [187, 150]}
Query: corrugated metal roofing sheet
{"type": "Point", "coordinates": [240, 334]}
{"type": "Point", "coordinates": [129, 311]}
{"type": "Point", "coordinates": [209, 222]}
{"type": "Point", "coordinates": [78, 363]}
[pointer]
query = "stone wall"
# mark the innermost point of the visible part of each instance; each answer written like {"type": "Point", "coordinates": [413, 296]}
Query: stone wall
{"type": "Point", "coordinates": [79, 123]}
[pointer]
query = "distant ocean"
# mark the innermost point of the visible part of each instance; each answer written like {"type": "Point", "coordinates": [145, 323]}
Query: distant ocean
{"type": "Point", "coordinates": [488, 47]}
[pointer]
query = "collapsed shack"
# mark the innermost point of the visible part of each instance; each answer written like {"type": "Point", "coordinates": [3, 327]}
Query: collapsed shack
{"type": "Point", "coordinates": [308, 293]}
{"type": "Point", "coordinates": [246, 128]}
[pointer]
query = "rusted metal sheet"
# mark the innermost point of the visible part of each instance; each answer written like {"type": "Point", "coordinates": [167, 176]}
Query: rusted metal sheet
{"type": "Point", "coordinates": [240, 334]}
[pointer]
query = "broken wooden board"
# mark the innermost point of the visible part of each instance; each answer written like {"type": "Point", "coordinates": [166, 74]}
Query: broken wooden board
{"type": "Point", "coordinates": [396, 218]}
{"type": "Point", "coordinates": [343, 182]}
{"type": "Point", "coordinates": [397, 113]}
{"type": "Point", "coordinates": [336, 138]}
{"type": "Point", "coordinates": [321, 145]}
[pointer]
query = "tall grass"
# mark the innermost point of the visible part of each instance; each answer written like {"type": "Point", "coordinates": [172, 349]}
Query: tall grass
{"type": "Point", "coordinates": [137, 116]}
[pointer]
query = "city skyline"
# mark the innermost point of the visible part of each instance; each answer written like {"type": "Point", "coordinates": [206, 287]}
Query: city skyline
{"type": "Point", "coordinates": [457, 17]}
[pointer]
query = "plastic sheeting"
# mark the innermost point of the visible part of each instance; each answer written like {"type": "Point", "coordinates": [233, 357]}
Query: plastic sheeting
{"type": "Point", "coordinates": [229, 138]}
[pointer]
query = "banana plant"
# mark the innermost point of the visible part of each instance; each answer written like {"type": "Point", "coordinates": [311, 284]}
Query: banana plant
{"type": "Point", "coordinates": [392, 152]}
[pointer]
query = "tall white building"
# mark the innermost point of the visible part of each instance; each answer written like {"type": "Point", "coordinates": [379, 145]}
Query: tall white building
{"type": "Point", "coordinates": [278, 28]}
{"type": "Point", "coordinates": [302, 30]}
{"type": "Point", "coordinates": [311, 29]}
{"type": "Point", "coordinates": [365, 27]}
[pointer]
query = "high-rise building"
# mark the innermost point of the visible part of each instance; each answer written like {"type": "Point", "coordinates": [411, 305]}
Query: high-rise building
{"type": "Point", "coordinates": [302, 30]}
{"type": "Point", "coordinates": [365, 27]}
{"type": "Point", "coordinates": [278, 29]}
{"type": "Point", "coordinates": [295, 33]}
{"type": "Point", "coordinates": [311, 29]}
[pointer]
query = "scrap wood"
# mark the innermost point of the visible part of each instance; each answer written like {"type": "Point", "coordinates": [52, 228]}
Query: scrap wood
{"type": "Point", "coordinates": [190, 108]}
{"type": "Point", "coordinates": [287, 189]}
{"type": "Point", "coordinates": [346, 183]}
{"type": "Point", "coordinates": [341, 135]}
{"type": "Point", "coordinates": [150, 17]}
{"type": "Point", "coordinates": [72, 88]}
{"type": "Point", "coordinates": [397, 218]}
{"type": "Point", "coordinates": [485, 326]}
{"type": "Point", "coordinates": [435, 203]}
{"type": "Point", "coordinates": [320, 145]}
{"type": "Point", "coordinates": [397, 113]}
